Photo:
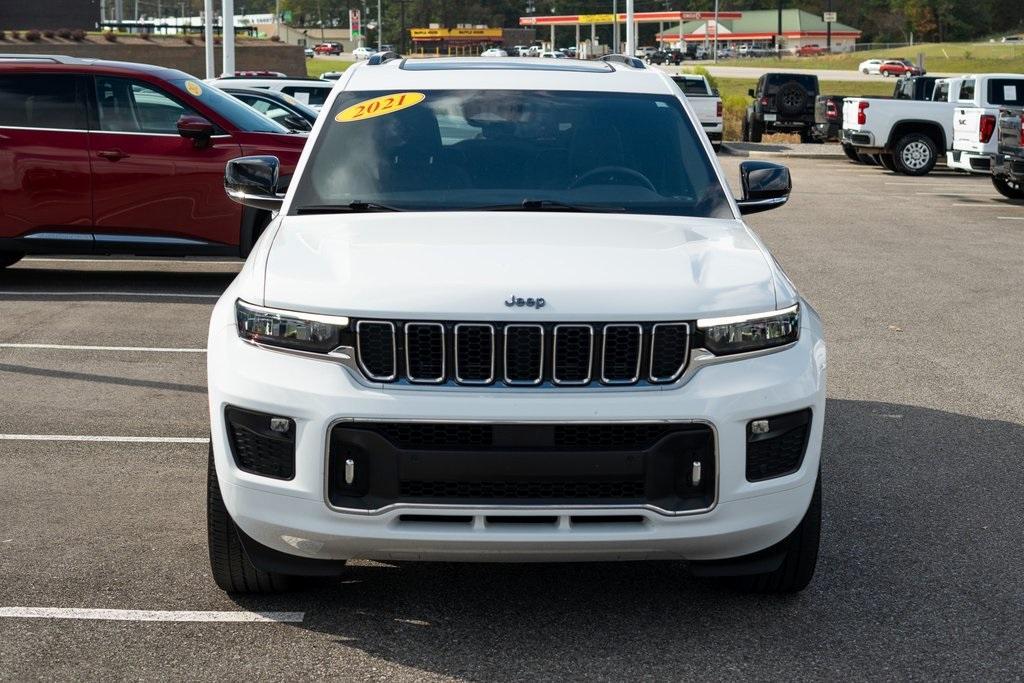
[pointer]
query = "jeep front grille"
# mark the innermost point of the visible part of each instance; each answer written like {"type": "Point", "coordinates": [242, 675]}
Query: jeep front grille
{"type": "Point", "coordinates": [522, 354]}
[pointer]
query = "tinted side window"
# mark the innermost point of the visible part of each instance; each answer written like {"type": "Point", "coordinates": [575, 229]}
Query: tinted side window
{"type": "Point", "coordinates": [42, 101]}
{"type": "Point", "coordinates": [1008, 91]}
{"type": "Point", "coordinates": [966, 90]}
{"type": "Point", "coordinates": [128, 106]}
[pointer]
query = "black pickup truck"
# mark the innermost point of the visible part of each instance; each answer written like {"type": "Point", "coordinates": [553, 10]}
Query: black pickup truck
{"type": "Point", "coordinates": [1008, 164]}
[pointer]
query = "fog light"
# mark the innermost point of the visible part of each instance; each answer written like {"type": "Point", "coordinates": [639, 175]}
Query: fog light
{"type": "Point", "coordinates": [759, 427]}
{"type": "Point", "coordinates": [279, 424]}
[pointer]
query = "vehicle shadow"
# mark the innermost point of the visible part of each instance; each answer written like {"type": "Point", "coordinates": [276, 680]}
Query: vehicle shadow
{"type": "Point", "coordinates": [920, 549]}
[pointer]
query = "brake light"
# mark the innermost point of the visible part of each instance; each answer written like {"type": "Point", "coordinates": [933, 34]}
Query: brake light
{"type": "Point", "coordinates": [830, 111]}
{"type": "Point", "coordinates": [862, 116]}
{"type": "Point", "coordinates": [764, 101]}
{"type": "Point", "coordinates": [718, 109]}
{"type": "Point", "coordinates": [1022, 130]}
{"type": "Point", "coordinates": [986, 126]}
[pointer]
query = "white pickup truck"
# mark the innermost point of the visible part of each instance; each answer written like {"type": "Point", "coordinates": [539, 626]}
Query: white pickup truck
{"type": "Point", "coordinates": [705, 102]}
{"type": "Point", "coordinates": [906, 134]}
{"type": "Point", "coordinates": [978, 101]}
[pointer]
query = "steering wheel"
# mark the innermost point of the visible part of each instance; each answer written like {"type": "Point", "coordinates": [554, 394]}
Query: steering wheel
{"type": "Point", "coordinates": [612, 171]}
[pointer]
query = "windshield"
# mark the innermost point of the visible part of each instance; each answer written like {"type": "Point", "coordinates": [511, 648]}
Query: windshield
{"type": "Point", "coordinates": [239, 114]}
{"type": "Point", "coordinates": [505, 149]}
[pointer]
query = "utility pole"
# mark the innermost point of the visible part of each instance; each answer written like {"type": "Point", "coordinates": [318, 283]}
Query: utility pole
{"type": "Point", "coordinates": [228, 17]}
{"type": "Point", "coordinates": [380, 27]}
{"type": "Point", "coordinates": [828, 29]}
{"type": "Point", "coordinates": [714, 49]}
{"type": "Point", "coordinates": [208, 38]}
{"type": "Point", "coordinates": [615, 25]}
{"type": "Point", "coordinates": [630, 29]}
{"type": "Point", "coordinates": [778, 36]}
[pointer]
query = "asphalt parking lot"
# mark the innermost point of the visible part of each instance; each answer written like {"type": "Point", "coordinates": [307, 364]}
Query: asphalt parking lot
{"type": "Point", "coordinates": [102, 484]}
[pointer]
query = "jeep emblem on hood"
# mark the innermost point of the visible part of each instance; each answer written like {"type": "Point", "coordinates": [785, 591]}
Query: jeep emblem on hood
{"type": "Point", "coordinates": [520, 301]}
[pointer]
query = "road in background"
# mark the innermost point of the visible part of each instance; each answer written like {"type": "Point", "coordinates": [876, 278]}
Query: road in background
{"type": "Point", "coordinates": [917, 280]}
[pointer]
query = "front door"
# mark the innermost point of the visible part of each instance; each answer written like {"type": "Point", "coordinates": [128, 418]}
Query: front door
{"type": "Point", "coordinates": [151, 186]}
{"type": "Point", "coordinates": [45, 188]}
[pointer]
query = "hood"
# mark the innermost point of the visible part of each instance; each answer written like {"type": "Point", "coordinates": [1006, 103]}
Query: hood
{"type": "Point", "coordinates": [465, 265]}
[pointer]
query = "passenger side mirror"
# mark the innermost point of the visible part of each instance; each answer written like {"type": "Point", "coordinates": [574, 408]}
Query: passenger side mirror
{"type": "Point", "coordinates": [765, 186]}
{"type": "Point", "coordinates": [296, 122]}
{"type": "Point", "coordinates": [254, 181]}
{"type": "Point", "coordinates": [195, 128]}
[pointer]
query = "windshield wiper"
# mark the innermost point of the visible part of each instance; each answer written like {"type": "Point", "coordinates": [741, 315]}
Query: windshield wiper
{"type": "Point", "coordinates": [351, 207]}
{"type": "Point", "coordinates": [548, 205]}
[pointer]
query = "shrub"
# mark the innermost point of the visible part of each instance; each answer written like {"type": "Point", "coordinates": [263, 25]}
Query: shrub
{"type": "Point", "coordinates": [78, 35]}
{"type": "Point", "coordinates": [275, 39]}
{"type": "Point", "coordinates": [50, 35]}
{"type": "Point", "coordinates": [15, 35]}
{"type": "Point", "coordinates": [701, 71]}
{"type": "Point", "coordinates": [189, 40]}
{"type": "Point", "coordinates": [33, 36]}
{"type": "Point", "coordinates": [145, 35]}
{"type": "Point", "coordinates": [216, 40]}
{"type": "Point", "coordinates": [64, 33]}
{"type": "Point", "coordinates": [110, 36]}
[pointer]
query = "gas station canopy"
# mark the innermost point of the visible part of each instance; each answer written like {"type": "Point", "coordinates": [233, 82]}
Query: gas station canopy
{"type": "Point", "coordinates": [639, 17]}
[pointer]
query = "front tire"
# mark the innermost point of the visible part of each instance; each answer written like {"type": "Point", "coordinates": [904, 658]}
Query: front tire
{"type": "Point", "coordinates": [915, 154]}
{"type": "Point", "coordinates": [1008, 188]}
{"type": "Point", "coordinates": [9, 258]}
{"type": "Point", "coordinates": [801, 556]}
{"type": "Point", "coordinates": [232, 570]}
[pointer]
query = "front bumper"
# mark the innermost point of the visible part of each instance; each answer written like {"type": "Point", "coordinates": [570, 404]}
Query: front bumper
{"type": "Point", "coordinates": [1004, 166]}
{"type": "Point", "coordinates": [294, 516]}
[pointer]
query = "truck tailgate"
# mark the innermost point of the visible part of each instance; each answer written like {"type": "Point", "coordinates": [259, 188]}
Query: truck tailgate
{"type": "Point", "coordinates": [967, 130]}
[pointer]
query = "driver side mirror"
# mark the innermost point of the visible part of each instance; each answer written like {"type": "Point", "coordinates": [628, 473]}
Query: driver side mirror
{"type": "Point", "coordinates": [195, 128]}
{"type": "Point", "coordinates": [750, 91]}
{"type": "Point", "coordinates": [254, 181]}
{"type": "Point", "coordinates": [765, 186]}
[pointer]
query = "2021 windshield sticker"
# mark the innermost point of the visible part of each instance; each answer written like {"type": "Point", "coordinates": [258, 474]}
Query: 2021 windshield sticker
{"type": "Point", "coordinates": [193, 88]}
{"type": "Point", "coordinates": [379, 106]}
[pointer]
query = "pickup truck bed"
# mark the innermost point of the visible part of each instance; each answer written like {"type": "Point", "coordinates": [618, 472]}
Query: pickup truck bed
{"type": "Point", "coordinates": [705, 102]}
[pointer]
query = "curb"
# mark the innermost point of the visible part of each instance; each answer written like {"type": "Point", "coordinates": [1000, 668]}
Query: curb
{"type": "Point", "coordinates": [755, 154]}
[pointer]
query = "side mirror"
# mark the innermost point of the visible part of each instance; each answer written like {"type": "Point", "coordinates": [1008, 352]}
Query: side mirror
{"type": "Point", "coordinates": [195, 128]}
{"type": "Point", "coordinates": [296, 122]}
{"type": "Point", "coordinates": [254, 181]}
{"type": "Point", "coordinates": [765, 186]}
{"type": "Point", "coordinates": [750, 91]}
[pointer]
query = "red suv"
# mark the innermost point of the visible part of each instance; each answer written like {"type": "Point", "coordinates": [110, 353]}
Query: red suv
{"type": "Point", "coordinates": [112, 157]}
{"type": "Point", "coordinates": [328, 49]}
{"type": "Point", "coordinates": [899, 67]}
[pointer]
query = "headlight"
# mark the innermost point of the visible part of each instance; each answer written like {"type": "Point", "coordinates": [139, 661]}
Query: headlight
{"type": "Point", "coordinates": [288, 329]}
{"type": "Point", "coordinates": [740, 333]}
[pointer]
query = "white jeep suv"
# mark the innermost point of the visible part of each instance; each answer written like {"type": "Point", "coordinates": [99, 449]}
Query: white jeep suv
{"type": "Point", "coordinates": [430, 355]}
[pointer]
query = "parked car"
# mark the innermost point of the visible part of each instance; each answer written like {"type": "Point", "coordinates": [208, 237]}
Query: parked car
{"type": "Point", "coordinates": [870, 66]}
{"type": "Point", "coordinates": [666, 57]}
{"type": "Point", "coordinates": [363, 52]}
{"type": "Point", "coordinates": [900, 67]}
{"type": "Point", "coordinates": [309, 52]}
{"type": "Point", "coordinates": [494, 52]}
{"type": "Point", "coordinates": [783, 103]}
{"type": "Point", "coordinates": [362, 411]}
{"type": "Point", "coordinates": [311, 92]}
{"type": "Point", "coordinates": [828, 112]}
{"type": "Point", "coordinates": [519, 51]}
{"type": "Point", "coordinates": [111, 157]}
{"type": "Point", "coordinates": [910, 136]}
{"type": "Point", "coordinates": [828, 119]}
{"type": "Point", "coordinates": [331, 75]}
{"type": "Point", "coordinates": [706, 103]}
{"type": "Point", "coordinates": [975, 141]}
{"type": "Point", "coordinates": [1008, 162]}
{"type": "Point", "coordinates": [552, 54]}
{"type": "Point", "coordinates": [284, 109]}
{"type": "Point", "coordinates": [810, 51]}
{"type": "Point", "coordinates": [329, 48]}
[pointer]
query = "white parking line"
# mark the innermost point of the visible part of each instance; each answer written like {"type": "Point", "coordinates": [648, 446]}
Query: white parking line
{"type": "Point", "coordinates": [169, 295]}
{"type": "Point", "coordinates": [981, 205]}
{"type": "Point", "coordinates": [148, 615]}
{"type": "Point", "coordinates": [956, 194]}
{"type": "Point", "coordinates": [1010, 218]}
{"type": "Point", "coordinates": [68, 347]}
{"type": "Point", "coordinates": [104, 439]}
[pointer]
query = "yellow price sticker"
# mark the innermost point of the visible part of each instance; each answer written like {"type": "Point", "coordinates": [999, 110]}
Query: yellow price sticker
{"type": "Point", "coordinates": [193, 88]}
{"type": "Point", "coordinates": [379, 106]}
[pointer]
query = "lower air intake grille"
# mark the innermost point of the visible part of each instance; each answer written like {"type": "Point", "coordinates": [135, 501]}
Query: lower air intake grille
{"type": "Point", "coordinates": [257, 448]}
{"type": "Point", "coordinates": [781, 450]}
{"type": "Point", "coordinates": [535, 490]}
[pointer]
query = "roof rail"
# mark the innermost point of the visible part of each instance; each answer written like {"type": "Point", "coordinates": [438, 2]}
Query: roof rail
{"type": "Point", "coordinates": [382, 58]}
{"type": "Point", "coordinates": [54, 59]}
{"type": "Point", "coordinates": [625, 59]}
